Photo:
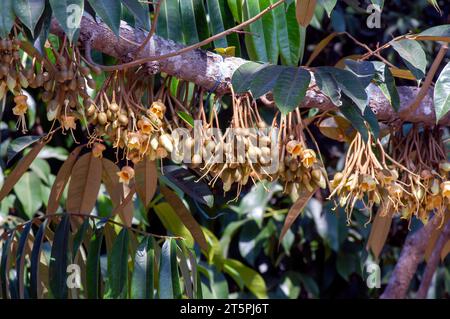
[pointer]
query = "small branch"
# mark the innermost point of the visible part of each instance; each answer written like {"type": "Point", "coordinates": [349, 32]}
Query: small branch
{"type": "Point", "coordinates": [152, 29]}
{"type": "Point", "coordinates": [411, 255]}
{"type": "Point", "coordinates": [433, 262]}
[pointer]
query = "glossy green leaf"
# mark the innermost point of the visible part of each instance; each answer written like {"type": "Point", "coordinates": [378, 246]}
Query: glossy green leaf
{"type": "Point", "coordinates": [442, 93]}
{"type": "Point", "coordinates": [29, 12]}
{"type": "Point", "coordinates": [221, 19]}
{"type": "Point", "coordinates": [386, 82]}
{"type": "Point", "coordinates": [28, 192]}
{"type": "Point", "coordinates": [169, 23]}
{"type": "Point", "coordinates": [187, 118]}
{"type": "Point", "coordinates": [172, 223]}
{"type": "Point", "coordinates": [79, 236]}
{"type": "Point", "coordinates": [20, 259]}
{"type": "Point", "coordinates": [144, 270]}
{"type": "Point", "coordinates": [140, 11]}
{"type": "Point", "coordinates": [6, 17]}
{"type": "Point", "coordinates": [93, 274]}
{"type": "Point", "coordinates": [243, 76]}
{"type": "Point", "coordinates": [250, 278]}
{"type": "Point", "coordinates": [188, 21]}
{"type": "Point", "coordinates": [68, 13]}
{"type": "Point", "coordinates": [35, 261]}
{"type": "Point", "coordinates": [353, 114]}
{"type": "Point", "coordinates": [59, 259]}
{"type": "Point", "coordinates": [412, 55]}
{"type": "Point", "coordinates": [110, 11]}
{"type": "Point", "coordinates": [290, 36]}
{"type": "Point", "coordinates": [290, 88]}
{"type": "Point", "coordinates": [118, 267]}
{"type": "Point", "coordinates": [265, 79]}
{"type": "Point", "coordinates": [236, 9]}
{"type": "Point", "coordinates": [19, 144]}
{"type": "Point", "coordinates": [169, 279]}
{"type": "Point", "coordinates": [328, 85]}
{"type": "Point", "coordinates": [364, 70]}
{"type": "Point", "coordinates": [261, 40]}
{"type": "Point", "coordinates": [437, 33]}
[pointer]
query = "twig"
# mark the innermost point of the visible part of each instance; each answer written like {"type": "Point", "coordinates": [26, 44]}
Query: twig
{"type": "Point", "coordinates": [152, 29]}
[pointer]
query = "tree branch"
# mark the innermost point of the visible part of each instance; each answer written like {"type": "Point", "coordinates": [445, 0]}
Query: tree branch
{"type": "Point", "coordinates": [210, 70]}
{"type": "Point", "coordinates": [433, 262]}
{"type": "Point", "coordinates": [411, 255]}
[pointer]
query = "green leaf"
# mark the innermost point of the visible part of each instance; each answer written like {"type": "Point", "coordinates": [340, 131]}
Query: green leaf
{"type": "Point", "coordinates": [19, 144]}
{"type": "Point", "coordinates": [29, 12]}
{"type": "Point", "coordinates": [442, 93]}
{"type": "Point", "coordinates": [169, 279]}
{"type": "Point", "coordinates": [364, 70]}
{"type": "Point", "coordinates": [437, 33]}
{"type": "Point", "coordinates": [42, 170]}
{"type": "Point", "coordinates": [290, 38]}
{"type": "Point", "coordinates": [261, 40]}
{"type": "Point", "coordinates": [328, 85]}
{"type": "Point", "coordinates": [169, 23]}
{"type": "Point", "coordinates": [265, 79]}
{"type": "Point", "coordinates": [372, 120]}
{"type": "Point", "coordinates": [188, 22]}
{"type": "Point", "coordinates": [328, 5]}
{"type": "Point", "coordinates": [4, 264]}
{"type": "Point", "coordinates": [290, 88]}
{"type": "Point", "coordinates": [350, 85]}
{"type": "Point", "coordinates": [6, 17]}
{"type": "Point", "coordinates": [236, 9]}
{"type": "Point", "coordinates": [187, 118]}
{"type": "Point", "coordinates": [68, 13]}
{"type": "Point", "coordinates": [386, 82]}
{"type": "Point", "coordinates": [250, 278]}
{"type": "Point", "coordinates": [140, 11]}
{"type": "Point", "coordinates": [20, 259]}
{"type": "Point", "coordinates": [110, 12]}
{"type": "Point", "coordinates": [221, 19]}
{"type": "Point", "coordinates": [243, 76]}
{"type": "Point", "coordinates": [412, 55]}
{"type": "Point", "coordinates": [59, 259]}
{"type": "Point", "coordinates": [79, 236]}
{"type": "Point", "coordinates": [144, 270]}
{"type": "Point", "coordinates": [28, 192]}
{"type": "Point", "coordinates": [172, 223]}
{"type": "Point", "coordinates": [353, 114]}
{"type": "Point", "coordinates": [35, 260]}
{"type": "Point", "coordinates": [118, 267]}
{"type": "Point", "coordinates": [93, 274]}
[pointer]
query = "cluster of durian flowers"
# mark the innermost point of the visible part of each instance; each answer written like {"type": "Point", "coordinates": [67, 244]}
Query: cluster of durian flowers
{"type": "Point", "coordinates": [408, 183]}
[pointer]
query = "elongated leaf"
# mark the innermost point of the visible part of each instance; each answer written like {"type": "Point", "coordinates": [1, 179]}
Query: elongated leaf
{"type": "Point", "coordinates": [261, 40]}
{"type": "Point", "coordinates": [216, 21]}
{"type": "Point", "coordinates": [59, 259]}
{"type": "Point", "coordinates": [84, 184]}
{"type": "Point", "coordinates": [290, 39]}
{"type": "Point", "coordinates": [412, 55]}
{"type": "Point", "coordinates": [437, 33]}
{"type": "Point", "coordinates": [442, 93]}
{"type": "Point", "coordinates": [35, 284]}
{"type": "Point", "coordinates": [353, 114]}
{"type": "Point", "coordinates": [185, 216]}
{"type": "Point", "coordinates": [386, 82]}
{"type": "Point", "coordinates": [194, 24]}
{"type": "Point", "coordinates": [328, 85]}
{"type": "Point", "coordinates": [169, 22]}
{"type": "Point", "coordinates": [4, 265]}
{"type": "Point", "coordinates": [236, 9]}
{"type": "Point", "coordinates": [6, 18]}
{"type": "Point", "coordinates": [93, 274]}
{"type": "Point", "coordinates": [29, 12]}
{"type": "Point", "coordinates": [364, 70]}
{"type": "Point", "coordinates": [305, 11]}
{"type": "Point", "coordinates": [118, 267]}
{"type": "Point", "coordinates": [28, 191]}
{"type": "Point", "coordinates": [78, 238]}
{"type": "Point", "coordinates": [19, 144]}
{"type": "Point", "coordinates": [146, 180]}
{"type": "Point", "coordinates": [20, 169]}
{"type": "Point", "coordinates": [173, 223]}
{"type": "Point", "coordinates": [169, 279]}
{"type": "Point", "coordinates": [244, 75]}
{"type": "Point", "coordinates": [379, 233]}
{"type": "Point", "coordinates": [295, 210]}
{"type": "Point", "coordinates": [69, 14]}
{"type": "Point", "coordinates": [140, 11]}
{"type": "Point", "coordinates": [290, 88]}
{"type": "Point", "coordinates": [61, 180]}
{"type": "Point", "coordinates": [110, 12]}
{"type": "Point", "coordinates": [328, 5]}
{"type": "Point", "coordinates": [142, 284]}
{"type": "Point", "coordinates": [250, 278]}
{"type": "Point", "coordinates": [20, 259]}
{"type": "Point", "coordinates": [265, 79]}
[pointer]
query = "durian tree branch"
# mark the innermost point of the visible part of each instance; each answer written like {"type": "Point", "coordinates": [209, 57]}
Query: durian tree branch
{"type": "Point", "coordinates": [210, 70]}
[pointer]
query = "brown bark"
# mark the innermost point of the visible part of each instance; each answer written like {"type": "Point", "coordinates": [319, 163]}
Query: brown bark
{"type": "Point", "coordinates": [210, 70]}
{"type": "Point", "coordinates": [410, 257]}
